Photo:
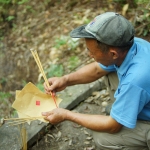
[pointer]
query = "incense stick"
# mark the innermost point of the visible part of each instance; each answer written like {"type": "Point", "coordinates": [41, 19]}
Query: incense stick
{"type": "Point", "coordinates": [24, 138]}
{"type": "Point", "coordinates": [17, 121]}
{"type": "Point", "coordinates": [24, 118]}
{"type": "Point", "coordinates": [21, 121]}
{"type": "Point", "coordinates": [36, 57]}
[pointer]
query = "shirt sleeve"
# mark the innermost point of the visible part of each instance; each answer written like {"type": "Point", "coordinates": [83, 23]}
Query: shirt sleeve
{"type": "Point", "coordinates": [128, 104]}
{"type": "Point", "coordinates": [109, 68]}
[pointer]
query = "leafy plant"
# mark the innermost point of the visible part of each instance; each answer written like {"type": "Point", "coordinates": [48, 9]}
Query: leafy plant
{"type": "Point", "coordinates": [20, 2]}
{"type": "Point", "coordinates": [9, 18]}
{"type": "Point", "coordinates": [55, 70]}
{"type": "Point", "coordinates": [40, 86]}
{"type": "Point", "coordinates": [4, 95]}
{"type": "Point", "coordinates": [60, 42]}
{"type": "Point", "coordinates": [3, 80]}
{"type": "Point", "coordinates": [66, 41]}
{"type": "Point", "coordinates": [141, 1]}
{"type": "Point", "coordinates": [73, 62]}
{"type": "Point", "coordinates": [143, 18]}
{"type": "Point", "coordinates": [24, 82]}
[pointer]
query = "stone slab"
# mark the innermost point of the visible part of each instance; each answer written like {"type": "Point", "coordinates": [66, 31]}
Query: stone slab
{"type": "Point", "coordinates": [10, 137]}
{"type": "Point", "coordinates": [73, 95]}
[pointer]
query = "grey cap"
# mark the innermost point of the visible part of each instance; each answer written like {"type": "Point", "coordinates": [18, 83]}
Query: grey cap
{"type": "Point", "coordinates": [109, 28]}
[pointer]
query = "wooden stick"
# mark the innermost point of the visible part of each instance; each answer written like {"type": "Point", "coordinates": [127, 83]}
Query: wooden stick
{"type": "Point", "coordinates": [36, 57]}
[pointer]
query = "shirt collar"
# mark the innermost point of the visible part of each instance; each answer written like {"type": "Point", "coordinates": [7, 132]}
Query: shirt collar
{"type": "Point", "coordinates": [125, 64]}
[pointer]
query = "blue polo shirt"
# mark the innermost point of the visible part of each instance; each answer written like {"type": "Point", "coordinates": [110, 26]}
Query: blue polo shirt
{"type": "Point", "coordinates": [133, 93]}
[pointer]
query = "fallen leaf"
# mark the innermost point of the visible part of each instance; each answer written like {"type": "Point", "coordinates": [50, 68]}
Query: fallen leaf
{"type": "Point", "coordinates": [86, 133]}
{"type": "Point", "coordinates": [124, 9]}
{"type": "Point", "coordinates": [89, 138]}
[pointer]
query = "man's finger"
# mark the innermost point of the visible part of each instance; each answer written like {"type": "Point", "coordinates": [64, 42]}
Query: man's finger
{"type": "Point", "coordinates": [46, 113]}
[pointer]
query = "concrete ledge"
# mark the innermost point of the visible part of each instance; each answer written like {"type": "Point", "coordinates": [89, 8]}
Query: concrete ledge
{"type": "Point", "coordinates": [10, 137]}
{"type": "Point", "coordinates": [73, 95]}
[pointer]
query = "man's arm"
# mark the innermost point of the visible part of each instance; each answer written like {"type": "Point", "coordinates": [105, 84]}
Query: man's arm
{"type": "Point", "coordinates": [94, 122]}
{"type": "Point", "coordinates": [86, 74]}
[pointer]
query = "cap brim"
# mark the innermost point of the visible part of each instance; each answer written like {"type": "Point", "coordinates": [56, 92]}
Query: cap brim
{"type": "Point", "coordinates": [80, 32]}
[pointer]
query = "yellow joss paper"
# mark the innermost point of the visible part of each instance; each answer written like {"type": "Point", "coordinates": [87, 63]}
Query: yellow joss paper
{"type": "Point", "coordinates": [31, 102]}
{"type": "Point", "coordinates": [21, 115]}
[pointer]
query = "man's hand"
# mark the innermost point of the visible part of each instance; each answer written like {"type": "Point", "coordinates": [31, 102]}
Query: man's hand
{"type": "Point", "coordinates": [56, 84]}
{"type": "Point", "coordinates": [94, 122]}
{"type": "Point", "coordinates": [55, 116]}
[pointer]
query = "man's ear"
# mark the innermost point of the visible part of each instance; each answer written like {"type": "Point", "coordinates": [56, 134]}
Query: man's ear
{"type": "Point", "coordinates": [114, 53]}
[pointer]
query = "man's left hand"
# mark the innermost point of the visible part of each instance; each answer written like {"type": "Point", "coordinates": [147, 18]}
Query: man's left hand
{"type": "Point", "coordinates": [55, 116]}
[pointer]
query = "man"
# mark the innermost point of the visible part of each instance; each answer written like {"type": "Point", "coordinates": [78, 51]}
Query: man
{"type": "Point", "coordinates": [110, 41]}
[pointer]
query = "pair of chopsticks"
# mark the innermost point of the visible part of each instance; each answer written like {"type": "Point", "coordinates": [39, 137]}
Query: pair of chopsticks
{"type": "Point", "coordinates": [17, 121]}
{"type": "Point", "coordinates": [36, 57]}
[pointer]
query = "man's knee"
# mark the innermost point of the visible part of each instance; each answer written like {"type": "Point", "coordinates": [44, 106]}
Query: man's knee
{"type": "Point", "coordinates": [99, 139]}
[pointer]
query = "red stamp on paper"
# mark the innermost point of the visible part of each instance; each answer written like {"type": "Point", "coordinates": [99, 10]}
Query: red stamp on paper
{"type": "Point", "coordinates": [38, 103]}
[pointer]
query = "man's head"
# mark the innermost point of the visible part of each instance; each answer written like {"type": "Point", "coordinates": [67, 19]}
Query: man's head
{"type": "Point", "coordinates": [108, 37]}
{"type": "Point", "coordinates": [109, 28]}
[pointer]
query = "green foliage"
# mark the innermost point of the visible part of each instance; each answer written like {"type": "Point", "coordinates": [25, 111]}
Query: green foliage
{"type": "Point", "coordinates": [120, 1]}
{"type": "Point", "coordinates": [3, 80]}
{"type": "Point", "coordinates": [60, 42]}
{"type": "Point", "coordinates": [9, 18]}
{"type": "Point", "coordinates": [86, 21]}
{"type": "Point", "coordinates": [8, 2]}
{"type": "Point", "coordinates": [67, 42]}
{"type": "Point", "coordinates": [40, 86]}
{"type": "Point", "coordinates": [5, 1]}
{"type": "Point", "coordinates": [73, 62]}
{"type": "Point", "coordinates": [20, 2]}
{"type": "Point", "coordinates": [6, 6]}
{"type": "Point", "coordinates": [142, 20]}
{"type": "Point", "coordinates": [141, 1]}
{"type": "Point", "coordinates": [14, 113]}
{"type": "Point", "coordinates": [24, 82]}
{"type": "Point", "coordinates": [55, 70]}
{"type": "Point", "coordinates": [4, 95]}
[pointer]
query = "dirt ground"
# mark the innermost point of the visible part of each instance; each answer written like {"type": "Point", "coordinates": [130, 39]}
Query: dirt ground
{"type": "Point", "coordinates": [71, 136]}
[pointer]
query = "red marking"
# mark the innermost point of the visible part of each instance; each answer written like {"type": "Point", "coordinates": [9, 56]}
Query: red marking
{"type": "Point", "coordinates": [37, 102]}
{"type": "Point", "coordinates": [52, 94]}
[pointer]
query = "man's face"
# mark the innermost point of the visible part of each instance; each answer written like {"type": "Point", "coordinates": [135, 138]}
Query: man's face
{"type": "Point", "coordinates": [105, 58]}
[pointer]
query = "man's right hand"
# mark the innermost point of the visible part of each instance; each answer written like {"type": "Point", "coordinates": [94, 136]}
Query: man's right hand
{"type": "Point", "coordinates": [56, 84]}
